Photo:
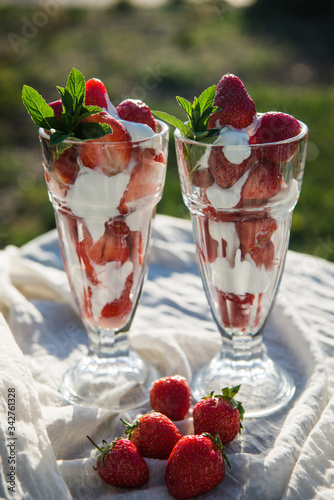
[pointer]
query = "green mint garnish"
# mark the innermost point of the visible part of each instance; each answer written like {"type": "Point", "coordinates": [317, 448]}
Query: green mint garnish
{"type": "Point", "coordinates": [198, 113]}
{"type": "Point", "coordinates": [74, 111]}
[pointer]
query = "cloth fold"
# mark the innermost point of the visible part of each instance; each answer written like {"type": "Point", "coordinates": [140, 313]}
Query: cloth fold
{"type": "Point", "coordinates": [288, 455]}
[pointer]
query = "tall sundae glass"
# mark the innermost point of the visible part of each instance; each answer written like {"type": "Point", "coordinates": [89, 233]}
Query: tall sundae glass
{"type": "Point", "coordinates": [241, 186]}
{"type": "Point", "coordinates": [104, 192]}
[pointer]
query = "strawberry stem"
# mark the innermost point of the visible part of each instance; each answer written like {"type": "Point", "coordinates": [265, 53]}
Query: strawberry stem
{"type": "Point", "coordinates": [94, 444]}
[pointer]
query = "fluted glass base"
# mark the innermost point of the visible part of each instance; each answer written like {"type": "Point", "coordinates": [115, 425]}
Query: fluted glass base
{"type": "Point", "coordinates": [117, 384]}
{"type": "Point", "coordinates": [265, 386]}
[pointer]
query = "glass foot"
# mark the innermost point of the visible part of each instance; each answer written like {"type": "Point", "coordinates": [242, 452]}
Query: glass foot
{"type": "Point", "coordinates": [117, 384]}
{"type": "Point", "coordinates": [265, 387]}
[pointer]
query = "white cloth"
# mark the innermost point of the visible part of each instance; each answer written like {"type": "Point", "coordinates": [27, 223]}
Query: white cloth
{"type": "Point", "coordinates": [288, 455]}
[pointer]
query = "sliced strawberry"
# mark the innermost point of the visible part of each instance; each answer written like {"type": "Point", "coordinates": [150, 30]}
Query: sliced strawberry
{"type": "Point", "coordinates": [203, 178]}
{"type": "Point", "coordinates": [237, 107]}
{"type": "Point", "coordinates": [225, 173]}
{"type": "Point", "coordinates": [146, 177]}
{"type": "Point", "coordinates": [276, 127]}
{"type": "Point", "coordinates": [255, 239]}
{"type": "Point", "coordinates": [235, 309]}
{"type": "Point", "coordinates": [263, 182]}
{"type": "Point", "coordinates": [57, 107]}
{"type": "Point", "coordinates": [66, 167]}
{"type": "Point", "coordinates": [96, 93]}
{"type": "Point", "coordinates": [83, 248]}
{"type": "Point", "coordinates": [87, 302]}
{"type": "Point", "coordinates": [113, 159]}
{"type": "Point", "coordinates": [121, 307]}
{"type": "Point", "coordinates": [134, 110]}
{"type": "Point", "coordinates": [211, 245]}
{"type": "Point", "coordinates": [135, 244]}
{"type": "Point", "coordinates": [112, 246]}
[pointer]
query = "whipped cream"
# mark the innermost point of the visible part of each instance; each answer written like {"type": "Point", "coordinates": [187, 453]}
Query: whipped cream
{"type": "Point", "coordinates": [225, 231]}
{"type": "Point", "coordinates": [95, 197]}
{"type": "Point", "coordinates": [236, 144]}
{"type": "Point", "coordinates": [240, 278]}
{"type": "Point", "coordinates": [226, 198]}
{"type": "Point", "coordinates": [109, 273]}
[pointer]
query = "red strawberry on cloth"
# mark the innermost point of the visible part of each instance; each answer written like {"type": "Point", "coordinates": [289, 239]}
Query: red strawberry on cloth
{"type": "Point", "coordinates": [195, 466]}
{"type": "Point", "coordinates": [96, 93]}
{"type": "Point", "coordinates": [135, 110]}
{"type": "Point", "coordinates": [276, 127]}
{"type": "Point", "coordinates": [111, 160]}
{"type": "Point", "coordinates": [219, 413]}
{"type": "Point", "coordinates": [171, 396]}
{"type": "Point", "coordinates": [121, 465]}
{"type": "Point", "coordinates": [237, 107]}
{"type": "Point", "coordinates": [154, 434]}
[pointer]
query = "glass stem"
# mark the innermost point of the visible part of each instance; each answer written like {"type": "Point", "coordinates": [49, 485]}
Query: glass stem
{"type": "Point", "coordinates": [108, 344]}
{"type": "Point", "coordinates": [243, 349]}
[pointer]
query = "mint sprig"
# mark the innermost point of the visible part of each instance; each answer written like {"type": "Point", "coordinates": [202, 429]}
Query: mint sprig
{"type": "Point", "coordinates": [74, 111]}
{"type": "Point", "coordinates": [198, 113]}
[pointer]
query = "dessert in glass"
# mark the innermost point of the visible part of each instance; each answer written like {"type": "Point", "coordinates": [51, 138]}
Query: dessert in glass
{"type": "Point", "coordinates": [104, 179]}
{"type": "Point", "coordinates": [241, 174]}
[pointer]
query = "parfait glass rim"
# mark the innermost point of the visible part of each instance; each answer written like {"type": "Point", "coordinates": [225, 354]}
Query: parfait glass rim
{"type": "Point", "coordinates": [303, 133]}
{"type": "Point", "coordinates": [44, 134]}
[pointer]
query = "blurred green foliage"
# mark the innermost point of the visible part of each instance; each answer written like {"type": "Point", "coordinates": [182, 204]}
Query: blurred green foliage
{"type": "Point", "coordinates": [285, 59]}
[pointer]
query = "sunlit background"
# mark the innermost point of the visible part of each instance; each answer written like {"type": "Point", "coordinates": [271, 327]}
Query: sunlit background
{"type": "Point", "coordinates": [154, 50]}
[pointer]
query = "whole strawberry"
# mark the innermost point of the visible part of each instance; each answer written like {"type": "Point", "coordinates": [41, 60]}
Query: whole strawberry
{"type": "Point", "coordinates": [237, 108]}
{"type": "Point", "coordinates": [275, 127]}
{"type": "Point", "coordinates": [154, 434]}
{"type": "Point", "coordinates": [195, 466]}
{"type": "Point", "coordinates": [219, 413]}
{"type": "Point", "coordinates": [171, 396]}
{"type": "Point", "coordinates": [135, 110]}
{"type": "Point", "coordinates": [120, 464]}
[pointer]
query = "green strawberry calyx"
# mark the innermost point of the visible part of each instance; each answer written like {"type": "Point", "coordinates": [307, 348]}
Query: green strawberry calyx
{"type": "Point", "coordinates": [198, 113]}
{"type": "Point", "coordinates": [130, 428]}
{"type": "Point", "coordinates": [217, 442]}
{"type": "Point", "coordinates": [228, 395]}
{"type": "Point", "coordinates": [74, 111]}
{"type": "Point", "coordinates": [103, 450]}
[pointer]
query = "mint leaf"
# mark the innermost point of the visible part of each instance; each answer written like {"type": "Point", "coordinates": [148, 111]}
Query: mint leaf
{"type": "Point", "coordinates": [172, 120]}
{"type": "Point", "coordinates": [59, 136]}
{"type": "Point", "coordinates": [41, 113]}
{"type": "Point", "coordinates": [206, 98]}
{"type": "Point", "coordinates": [76, 87]}
{"type": "Point", "coordinates": [73, 113]}
{"type": "Point", "coordinates": [92, 130]}
{"type": "Point", "coordinates": [198, 113]}
{"type": "Point", "coordinates": [186, 105]}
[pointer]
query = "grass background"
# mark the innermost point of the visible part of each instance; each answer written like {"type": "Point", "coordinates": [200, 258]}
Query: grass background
{"type": "Point", "coordinates": [282, 50]}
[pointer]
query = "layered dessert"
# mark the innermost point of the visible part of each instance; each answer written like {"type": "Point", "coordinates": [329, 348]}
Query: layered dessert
{"type": "Point", "coordinates": [240, 180]}
{"type": "Point", "coordinates": [105, 168]}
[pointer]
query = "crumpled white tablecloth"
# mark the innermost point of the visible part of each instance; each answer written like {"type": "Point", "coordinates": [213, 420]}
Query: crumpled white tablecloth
{"type": "Point", "coordinates": [289, 455]}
